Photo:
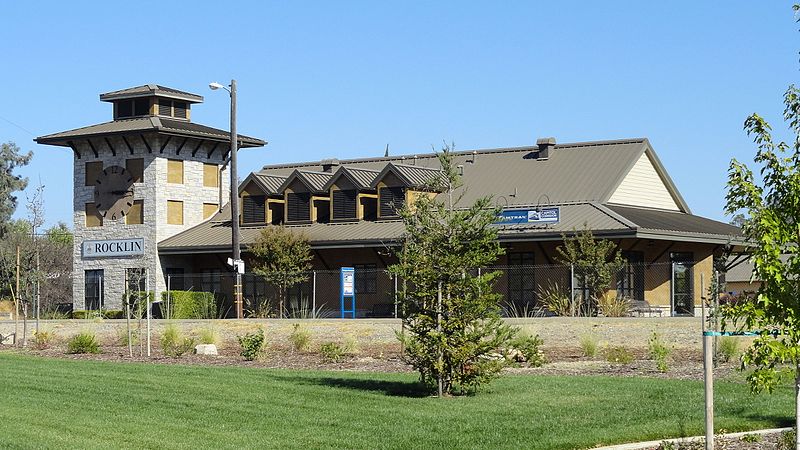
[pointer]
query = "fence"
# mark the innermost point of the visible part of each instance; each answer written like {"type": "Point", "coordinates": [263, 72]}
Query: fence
{"type": "Point", "coordinates": [525, 290]}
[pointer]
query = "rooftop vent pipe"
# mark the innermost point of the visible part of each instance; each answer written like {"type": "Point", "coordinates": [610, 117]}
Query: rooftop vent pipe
{"type": "Point", "coordinates": [545, 144]}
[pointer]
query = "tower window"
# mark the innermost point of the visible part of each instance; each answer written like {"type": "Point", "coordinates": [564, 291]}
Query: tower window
{"type": "Point", "coordinates": [135, 168]}
{"type": "Point", "coordinates": [135, 213]}
{"type": "Point", "coordinates": [175, 171]}
{"type": "Point", "coordinates": [174, 212]}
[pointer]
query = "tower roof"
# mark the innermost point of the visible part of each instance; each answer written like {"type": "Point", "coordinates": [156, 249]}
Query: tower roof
{"type": "Point", "coordinates": [151, 90]}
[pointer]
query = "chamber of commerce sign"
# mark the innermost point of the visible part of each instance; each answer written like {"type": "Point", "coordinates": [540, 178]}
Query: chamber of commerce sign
{"type": "Point", "coordinates": [529, 216]}
{"type": "Point", "coordinates": [113, 248]}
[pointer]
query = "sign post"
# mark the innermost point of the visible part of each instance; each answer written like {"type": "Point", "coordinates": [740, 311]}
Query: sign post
{"type": "Point", "coordinates": [348, 289]}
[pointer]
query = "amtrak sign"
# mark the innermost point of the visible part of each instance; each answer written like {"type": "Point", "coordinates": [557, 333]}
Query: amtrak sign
{"type": "Point", "coordinates": [112, 248]}
{"type": "Point", "coordinates": [549, 215]}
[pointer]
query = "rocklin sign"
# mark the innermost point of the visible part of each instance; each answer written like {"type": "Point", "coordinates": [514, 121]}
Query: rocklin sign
{"type": "Point", "coordinates": [113, 248]}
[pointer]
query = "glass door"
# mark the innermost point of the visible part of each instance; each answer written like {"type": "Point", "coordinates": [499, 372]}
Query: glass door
{"type": "Point", "coordinates": [682, 284]}
{"type": "Point", "coordinates": [93, 290]}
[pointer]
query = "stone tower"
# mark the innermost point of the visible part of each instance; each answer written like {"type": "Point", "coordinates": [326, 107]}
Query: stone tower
{"type": "Point", "coordinates": [144, 176]}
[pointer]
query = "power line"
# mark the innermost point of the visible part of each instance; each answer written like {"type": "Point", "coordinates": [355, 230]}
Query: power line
{"type": "Point", "coordinates": [18, 126]}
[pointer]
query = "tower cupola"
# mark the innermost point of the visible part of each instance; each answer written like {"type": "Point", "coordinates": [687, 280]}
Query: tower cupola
{"type": "Point", "coordinates": [151, 100]}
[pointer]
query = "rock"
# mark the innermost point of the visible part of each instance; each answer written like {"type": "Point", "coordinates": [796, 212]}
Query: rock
{"type": "Point", "coordinates": [206, 349]}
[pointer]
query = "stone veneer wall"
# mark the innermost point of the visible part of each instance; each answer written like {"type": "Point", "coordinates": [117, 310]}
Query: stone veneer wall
{"type": "Point", "coordinates": [154, 191]}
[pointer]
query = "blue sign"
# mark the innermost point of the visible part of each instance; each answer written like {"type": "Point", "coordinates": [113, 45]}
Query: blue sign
{"type": "Point", "coordinates": [348, 289]}
{"type": "Point", "coordinates": [529, 216]}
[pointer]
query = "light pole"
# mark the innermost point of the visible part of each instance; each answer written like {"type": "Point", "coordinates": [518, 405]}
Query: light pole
{"type": "Point", "coordinates": [237, 262]}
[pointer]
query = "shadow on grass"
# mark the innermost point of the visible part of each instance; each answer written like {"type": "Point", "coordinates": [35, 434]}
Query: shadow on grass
{"type": "Point", "coordinates": [390, 388]}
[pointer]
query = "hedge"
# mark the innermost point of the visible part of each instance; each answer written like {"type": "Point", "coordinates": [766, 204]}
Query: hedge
{"type": "Point", "coordinates": [107, 314]}
{"type": "Point", "coordinates": [189, 305]}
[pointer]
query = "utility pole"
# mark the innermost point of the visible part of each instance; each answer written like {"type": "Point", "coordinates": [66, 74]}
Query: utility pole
{"type": "Point", "coordinates": [237, 288]}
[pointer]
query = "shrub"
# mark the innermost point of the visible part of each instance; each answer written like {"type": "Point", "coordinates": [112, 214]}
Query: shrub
{"type": "Point", "coordinates": [84, 342]}
{"type": "Point", "coordinates": [43, 339]}
{"type": "Point", "coordinates": [81, 314]}
{"type": "Point", "coordinates": [619, 355]}
{"type": "Point", "coordinates": [588, 345]}
{"type": "Point", "coordinates": [556, 299]}
{"type": "Point", "coordinates": [173, 344]}
{"type": "Point", "coordinates": [786, 441]}
{"type": "Point", "coordinates": [728, 348]}
{"type": "Point", "coordinates": [332, 352]}
{"type": "Point", "coordinates": [658, 351]}
{"type": "Point", "coordinates": [122, 336]}
{"type": "Point", "coordinates": [209, 335]}
{"type": "Point", "coordinates": [529, 347]}
{"type": "Point", "coordinates": [751, 438]}
{"type": "Point", "coordinates": [189, 305]}
{"type": "Point", "coordinates": [613, 305]}
{"type": "Point", "coordinates": [300, 338]}
{"type": "Point", "coordinates": [251, 344]}
{"type": "Point", "coordinates": [113, 314]}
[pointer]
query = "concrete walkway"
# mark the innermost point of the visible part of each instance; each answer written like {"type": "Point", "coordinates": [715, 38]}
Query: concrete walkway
{"type": "Point", "coordinates": [654, 444]}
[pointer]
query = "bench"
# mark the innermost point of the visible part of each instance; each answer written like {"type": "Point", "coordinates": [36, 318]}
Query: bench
{"type": "Point", "coordinates": [641, 308]}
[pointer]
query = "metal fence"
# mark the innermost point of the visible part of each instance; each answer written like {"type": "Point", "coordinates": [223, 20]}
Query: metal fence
{"type": "Point", "coordinates": [525, 291]}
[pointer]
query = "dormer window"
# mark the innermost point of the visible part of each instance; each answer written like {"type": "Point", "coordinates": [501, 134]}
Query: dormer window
{"type": "Point", "coordinates": [254, 209]}
{"type": "Point", "coordinates": [131, 108]}
{"type": "Point", "coordinates": [344, 204]}
{"type": "Point", "coordinates": [298, 206]}
{"type": "Point", "coordinates": [172, 108]}
{"type": "Point", "coordinates": [391, 200]}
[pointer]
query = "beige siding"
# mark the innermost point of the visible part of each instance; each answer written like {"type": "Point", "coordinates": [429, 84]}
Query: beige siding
{"type": "Point", "coordinates": [643, 187]}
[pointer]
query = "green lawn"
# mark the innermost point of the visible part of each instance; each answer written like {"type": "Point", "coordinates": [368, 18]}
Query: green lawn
{"type": "Point", "coordinates": [51, 403]}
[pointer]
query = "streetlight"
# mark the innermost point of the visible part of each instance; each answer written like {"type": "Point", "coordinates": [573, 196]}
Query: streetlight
{"type": "Point", "coordinates": [237, 263]}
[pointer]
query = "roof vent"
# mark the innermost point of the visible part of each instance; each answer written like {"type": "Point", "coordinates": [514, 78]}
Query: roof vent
{"type": "Point", "coordinates": [329, 164]}
{"type": "Point", "coordinates": [545, 144]}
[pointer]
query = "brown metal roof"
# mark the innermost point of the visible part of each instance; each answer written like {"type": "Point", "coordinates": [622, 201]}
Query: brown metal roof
{"type": "Point", "coordinates": [314, 181]}
{"type": "Point", "coordinates": [581, 172]}
{"type": "Point", "coordinates": [360, 177]}
{"type": "Point", "coordinates": [677, 223]}
{"type": "Point", "coordinates": [148, 90]}
{"type": "Point", "coordinates": [412, 176]}
{"type": "Point", "coordinates": [156, 124]}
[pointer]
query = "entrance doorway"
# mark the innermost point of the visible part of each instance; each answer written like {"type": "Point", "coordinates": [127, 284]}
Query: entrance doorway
{"type": "Point", "coordinates": [93, 290]}
{"type": "Point", "coordinates": [682, 284]}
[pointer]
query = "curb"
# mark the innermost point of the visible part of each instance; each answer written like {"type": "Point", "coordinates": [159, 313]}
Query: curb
{"type": "Point", "coordinates": [651, 444]}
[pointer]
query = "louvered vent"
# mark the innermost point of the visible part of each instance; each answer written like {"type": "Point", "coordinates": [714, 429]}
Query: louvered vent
{"type": "Point", "coordinates": [344, 204]}
{"type": "Point", "coordinates": [253, 209]}
{"type": "Point", "coordinates": [180, 110]}
{"type": "Point", "coordinates": [141, 106]}
{"type": "Point", "coordinates": [298, 207]}
{"type": "Point", "coordinates": [164, 108]}
{"type": "Point", "coordinates": [124, 108]}
{"type": "Point", "coordinates": [392, 199]}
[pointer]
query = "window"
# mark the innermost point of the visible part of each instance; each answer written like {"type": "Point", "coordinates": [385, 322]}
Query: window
{"type": "Point", "coordinates": [171, 108]}
{"type": "Point", "coordinates": [276, 212]}
{"type": "Point", "coordinates": [630, 281]}
{"type": "Point", "coordinates": [366, 278]}
{"type": "Point", "coordinates": [165, 107]}
{"type": "Point", "coordinates": [254, 209]}
{"type": "Point", "coordinates": [174, 212]}
{"type": "Point", "coordinates": [175, 278]}
{"type": "Point", "coordinates": [132, 108]}
{"type": "Point", "coordinates": [136, 213]}
{"type": "Point", "coordinates": [322, 211]}
{"type": "Point", "coordinates": [93, 289]}
{"type": "Point", "coordinates": [344, 204]}
{"type": "Point", "coordinates": [93, 170]}
{"type": "Point", "coordinates": [141, 106]}
{"type": "Point", "coordinates": [124, 108]}
{"type": "Point", "coordinates": [135, 168]}
{"type": "Point", "coordinates": [391, 199]}
{"type": "Point", "coordinates": [369, 207]}
{"type": "Point", "coordinates": [210, 175]}
{"type": "Point", "coordinates": [298, 206]}
{"type": "Point", "coordinates": [93, 217]}
{"type": "Point", "coordinates": [521, 279]}
{"type": "Point", "coordinates": [211, 281]}
{"type": "Point", "coordinates": [175, 171]}
{"type": "Point", "coordinates": [180, 109]}
{"type": "Point", "coordinates": [209, 209]}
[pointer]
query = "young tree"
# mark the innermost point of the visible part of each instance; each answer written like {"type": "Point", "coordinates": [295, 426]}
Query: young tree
{"type": "Point", "coordinates": [10, 159]}
{"type": "Point", "coordinates": [451, 314]}
{"type": "Point", "coordinates": [595, 262]}
{"type": "Point", "coordinates": [283, 258]}
{"type": "Point", "coordinates": [771, 205]}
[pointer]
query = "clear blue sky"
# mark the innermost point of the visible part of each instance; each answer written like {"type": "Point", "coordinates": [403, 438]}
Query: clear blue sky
{"type": "Point", "coordinates": [343, 79]}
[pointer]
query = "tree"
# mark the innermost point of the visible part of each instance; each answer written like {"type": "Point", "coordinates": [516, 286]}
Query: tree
{"type": "Point", "coordinates": [448, 308]}
{"type": "Point", "coordinates": [10, 159]}
{"type": "Point", "coordinates": [771, 206]}
{"type": "Point", "coordinates": [283, 258]}
{"type": "Point", "coordinates": [595, 262]}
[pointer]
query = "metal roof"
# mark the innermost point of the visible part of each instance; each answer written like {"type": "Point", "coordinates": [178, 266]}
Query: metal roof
{"type": "Point", "coordinates": [149, 90]}
{"type": "Point", "coordinates": [156, 124]}
{"type": "Point", "coordinates": [412, 176]}
{"type": "Point", "coordinates": [314, 181]}
{"type": "Point", "coordinates": [581, 172]}
{"type": "Point", "coordinates": [360, 177]}
{"type": "Point", "coordinates": [673, 222]}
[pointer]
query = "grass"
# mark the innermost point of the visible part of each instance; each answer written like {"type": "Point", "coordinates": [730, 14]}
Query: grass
{"type": "Point", "coordinates": [54, 403]}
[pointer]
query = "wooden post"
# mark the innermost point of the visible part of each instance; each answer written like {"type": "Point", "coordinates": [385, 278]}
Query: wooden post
{"type": "Point", "coordinates": [708, 372]}
{"type": "Point", "coordinates": [439, 330]}
{"type": "Point", "coordinates": [16, 304]}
